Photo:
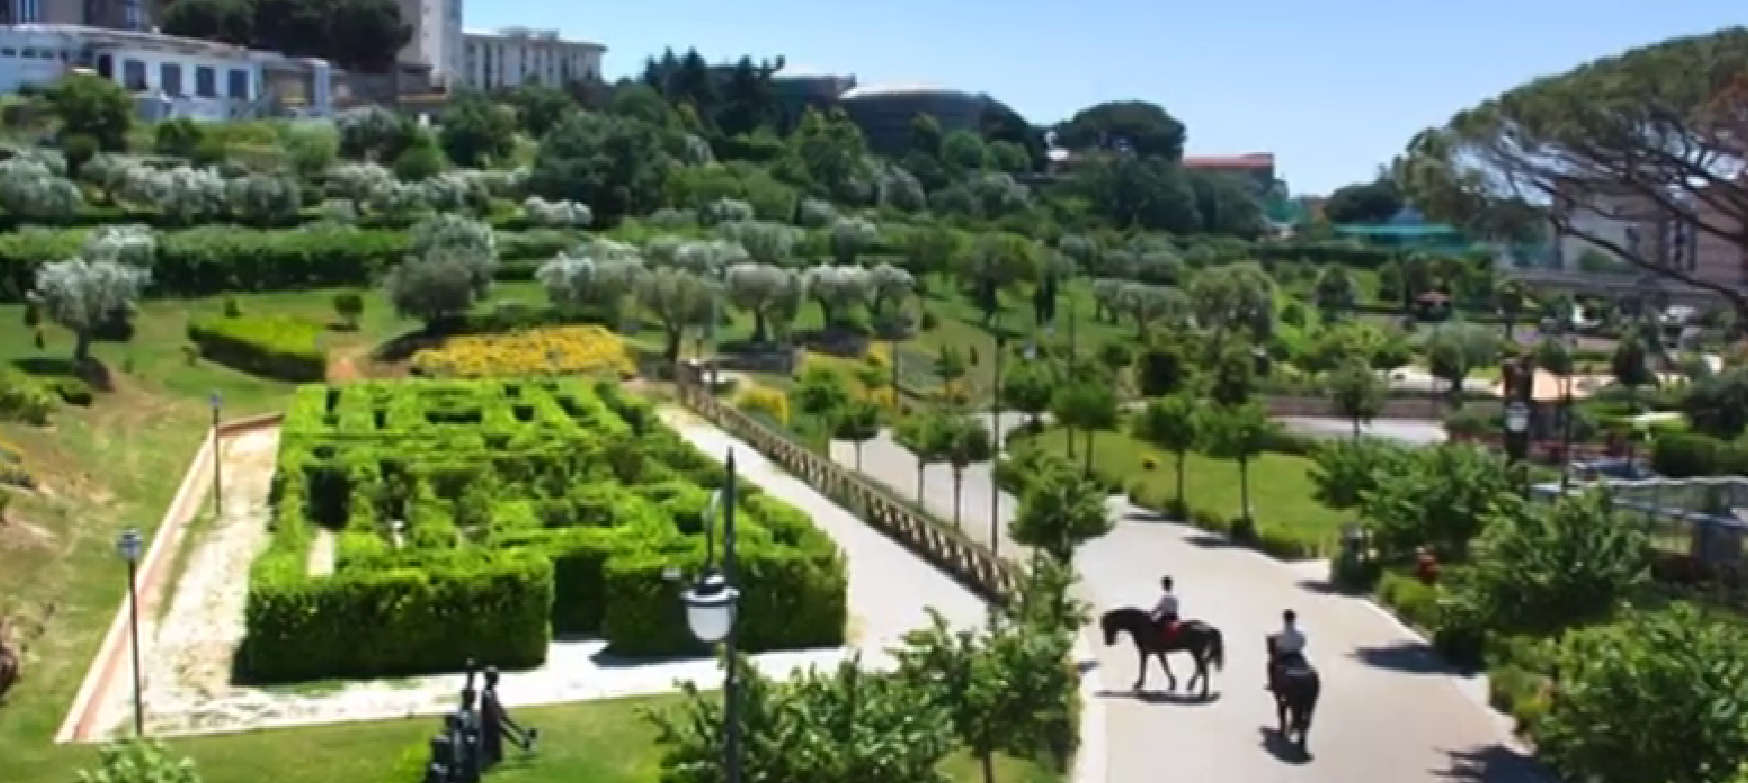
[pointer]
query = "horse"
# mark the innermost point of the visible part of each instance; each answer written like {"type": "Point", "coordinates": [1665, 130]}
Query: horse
{"type": "Point", "coordinates": [1296, 689]}
{"type": "Point", "coordinates": [1199, 639]}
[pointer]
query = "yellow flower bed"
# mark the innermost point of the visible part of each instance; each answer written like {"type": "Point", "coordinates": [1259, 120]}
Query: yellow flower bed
{"type": "Point", "coordinates": [561, 350]}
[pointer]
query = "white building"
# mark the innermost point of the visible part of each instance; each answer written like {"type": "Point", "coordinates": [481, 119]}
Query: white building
{"type": "Point", "coordinates": [516, 55]}
{"type": "Point", "coordinates": [169, 76]}
{"type": "Point", "coordinates": [437, 39]}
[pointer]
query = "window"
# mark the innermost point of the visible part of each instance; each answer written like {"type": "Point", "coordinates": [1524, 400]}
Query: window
{"type": "Point", "coordinates": [8, 52]}
{"type": "Point", "coordinates": [170, 78]}
{"type": "Point", "coordinates": [29, 54]}
{"type": "Point", "coordinates": [205, 82]}
{"type": "Point", "coordinates": [133, 74]}
{"type": "Point", "coordinates": [237, 85]}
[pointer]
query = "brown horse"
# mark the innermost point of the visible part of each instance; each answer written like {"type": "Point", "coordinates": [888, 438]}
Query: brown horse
{"type": "Point", "coordinates": [1199, 639]}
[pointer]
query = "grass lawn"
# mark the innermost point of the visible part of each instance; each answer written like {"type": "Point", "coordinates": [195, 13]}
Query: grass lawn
{"type": "Point", "coordinates": [1280, 484]}
{"type": "Point", "coordinates": [598, 742]}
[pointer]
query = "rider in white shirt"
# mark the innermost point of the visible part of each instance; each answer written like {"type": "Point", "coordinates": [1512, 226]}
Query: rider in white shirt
{"type": "Point", "coordinates": [1289, 645]}
{"type": "Point", "coordinates": [1165, 612]}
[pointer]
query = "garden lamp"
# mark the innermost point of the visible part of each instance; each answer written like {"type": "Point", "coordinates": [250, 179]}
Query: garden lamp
{"type": "Point", "coordinates": [710, 608]}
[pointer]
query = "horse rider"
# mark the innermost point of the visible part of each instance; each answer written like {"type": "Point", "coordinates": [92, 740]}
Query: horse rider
{"type": "Point", "coordinates": [1286, 647]}
{"type": "Point", "coordinates": [1165, 612]}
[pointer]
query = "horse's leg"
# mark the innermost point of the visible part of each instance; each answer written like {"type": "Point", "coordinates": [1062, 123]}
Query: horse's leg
{"type": "Point", "coordinates": [1141, 666]}
{"type": "Point", "coordinates": [1170, 678]}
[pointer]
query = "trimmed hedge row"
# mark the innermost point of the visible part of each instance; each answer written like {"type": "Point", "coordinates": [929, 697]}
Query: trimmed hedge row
{"type": "Point", "coordinates": [1683, 454]}
{"type": "Point", "coordinates": [219, 258]}
{"type": "Point", "coordinates": [271, 346]}
{"type": "Point", "coordinates": [526, 507]}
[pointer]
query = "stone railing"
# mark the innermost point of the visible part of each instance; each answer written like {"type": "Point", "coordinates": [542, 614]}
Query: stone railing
{"type": "Point", "coordinates": [935, 541]}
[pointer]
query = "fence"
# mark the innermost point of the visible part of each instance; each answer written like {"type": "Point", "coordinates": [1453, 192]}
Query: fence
{"type": "Point", "coordinates": [1693, 517]}
{"type": "Point", "coordinates": [950, 550]}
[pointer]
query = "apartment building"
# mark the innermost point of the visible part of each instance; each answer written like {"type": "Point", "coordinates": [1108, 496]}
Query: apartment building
{"type": "Point", "coordinates": [436, 40]}
{"type": "Point", "coordinates": [169, 76]}
{"type": "Point", "coordinates": [513, 56]}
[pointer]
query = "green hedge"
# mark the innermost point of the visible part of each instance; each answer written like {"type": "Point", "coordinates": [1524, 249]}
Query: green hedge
{"type": "Point", "coordinates": [218, 258]}
{"type": "Point", "coordinates": [489, 476]}
{"type": "Point", "coordinates": [1683, 454]}
{"type": "Point", "coordinates": [272, 346]}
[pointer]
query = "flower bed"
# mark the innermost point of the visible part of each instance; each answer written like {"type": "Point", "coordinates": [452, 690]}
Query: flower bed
{"type": "Point", "coordinates": [271, 346]}
{"type": "Point", "coordinates": [476, 518]}
{"type": "Point", "coordinates": [562, 350]}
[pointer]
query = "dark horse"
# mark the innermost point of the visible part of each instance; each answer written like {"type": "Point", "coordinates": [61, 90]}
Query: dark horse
{"type": "Point", "coordinates": [1199, 639]}
{"type": "Point", "coordinates": [1296, 686]}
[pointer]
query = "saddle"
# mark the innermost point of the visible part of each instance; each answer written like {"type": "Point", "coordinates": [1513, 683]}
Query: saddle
{"type": "Point", "coordinates": [1168, 632]}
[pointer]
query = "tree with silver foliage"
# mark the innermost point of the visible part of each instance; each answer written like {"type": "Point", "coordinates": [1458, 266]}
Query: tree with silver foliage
{"type": "Point", "coordinates": [726, 210]}
{"type": "Point", "coordinates": [80, 295]}
{"type": "Point", "coordinates": [598, 273]}
{"type": "Point", "coordinates": [889, 284]}
{"type": "Point", "coordinates": [557, 214]}
{"type": "Point", "coordinates": [850, 236]}
{"type": "Point", "coordinates": [449, 267]}
{"type": "Point", "coordinates": [678, 299]}
{"type": "Point", "coordinates": [130, 244]}
{"type": "Point", "coordinates": [837, 289]}
{"type": "Point", "coordinates": [1148, 304]}
{"type": "Point", "coordinates": [767, 292]}
{"type": "Point", "coordinates": [357, 181]}
{"type": "Point", "coordinates": [30, 189]}
{"type": "Point", "coordinates": [766, 242]}
{"type": "Point", "coordinates": [815, 212]}
{"type": "Point", "coordinates": [262, 200]}
{"type": "Point", "coordinates": [900, 190]}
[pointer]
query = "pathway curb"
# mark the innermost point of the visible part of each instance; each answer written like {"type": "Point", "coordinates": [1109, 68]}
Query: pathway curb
{"type": "Point", "coordinates": [111, 660]}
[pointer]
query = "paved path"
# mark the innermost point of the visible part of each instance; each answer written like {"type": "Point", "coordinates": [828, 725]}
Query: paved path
{"type": "Point", "coordinates": [1390, 713]}
{"type": "Point", "coordinates": [1411, 431]}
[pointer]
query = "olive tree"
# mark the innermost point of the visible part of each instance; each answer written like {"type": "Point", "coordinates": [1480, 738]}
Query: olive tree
{"type": "Point", "coordinates": [815, 212]}
{"type": "Point", "coordinates": [763, 290]}
{"type": "Point", "coordinates": [1234, 297]}
{"type": "Point", "coordinates": [837, 288]}
{"type": "Point", "coordinates": [766, 242]}
{"type": "Point", "coordinates": [1357, 391]}
{"type": "Point", "coordinates": [448, 268]}
{"type": "Point", "coordinates": [31, 190]}
{"type": "Point", "coordinates": [262, 200]}
{"type": "Point", "coordinates": [356, 182]}
{"type": "Point", "coordinates": [726, 210]}
{"type": "Point", "coordinates": [1107, 293]}
{"type": "Point", "coordinates": [678, 299]}
{"type": "Point", "coordinates": [557, 214]}
{"type": "Point", "coordinates": [850, 236]}
{"type": "Point", "coordinates": [889, 284]}
{"type": "Point", "coordinates": [1148, 304]}
{"type": "Point", "coordinates": [599, 273]}
{"type": "Point", "coordinates": [1454, 350]}
{"type": "Point", "coordinates": [130, 244]}
{"type": "Point", "coordinates": [80, 295]}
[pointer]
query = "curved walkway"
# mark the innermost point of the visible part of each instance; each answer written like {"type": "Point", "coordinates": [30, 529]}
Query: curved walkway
{"type": "Point", "coordinates": [1390, 712]}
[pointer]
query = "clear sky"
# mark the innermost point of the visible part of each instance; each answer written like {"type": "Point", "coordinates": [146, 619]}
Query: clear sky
{"type": "Point", "coordinates": [1334, 88]}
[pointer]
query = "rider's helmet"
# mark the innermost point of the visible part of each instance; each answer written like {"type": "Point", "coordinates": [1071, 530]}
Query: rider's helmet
{"type": "Point", "coordinates": [1289, 616]}
{"type": "Point", "coordinates": [1165, 582]}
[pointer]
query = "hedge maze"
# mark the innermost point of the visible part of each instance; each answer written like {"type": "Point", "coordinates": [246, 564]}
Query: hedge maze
{"type": "Point", "coordinates": [479, 518]}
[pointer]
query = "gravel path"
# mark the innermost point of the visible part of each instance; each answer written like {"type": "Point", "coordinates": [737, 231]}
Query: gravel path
{"type": "Point", "coordinates": [189, 689]}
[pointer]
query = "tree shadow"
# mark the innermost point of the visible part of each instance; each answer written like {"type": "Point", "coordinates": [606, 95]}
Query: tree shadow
{"type": "Point", "coordinates": [51, 366]}
{"type": "Point", "coordinates": [1324, 586]}
{"type": "Point", "coordinates": [1408, 657]}
{"type": "Point", "coordinates": [1211, 541]}
{"type": "Point", "coordinates": [1145, 515]}
{"type": "Point", "coordinates": [1283, 749]}
{"type": "Point", "coordinates": [1161, 697]}
{"type": "Point", "coordinates": [1493, 764]}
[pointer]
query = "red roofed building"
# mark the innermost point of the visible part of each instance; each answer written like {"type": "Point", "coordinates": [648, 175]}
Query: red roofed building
{"type": "Point", "coordinates": [1259, 166]}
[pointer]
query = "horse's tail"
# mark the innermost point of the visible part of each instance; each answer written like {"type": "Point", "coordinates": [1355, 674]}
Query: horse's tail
{"type": "Point", "coordinates": [1216, 649]}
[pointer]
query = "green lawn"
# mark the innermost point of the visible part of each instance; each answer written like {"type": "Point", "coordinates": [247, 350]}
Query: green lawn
{"type": "Point", "coordinates": [1280, 484]}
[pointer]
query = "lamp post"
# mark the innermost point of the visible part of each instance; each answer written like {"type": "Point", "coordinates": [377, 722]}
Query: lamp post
{"type": "Point", "coordinates": [710, 614]}
{"type": "Point", "coordinates": [128, 546]}
{"type": "Point", "coordinates": [1001, 347]}
{"type": "Point", "coordinates": [218, 497]}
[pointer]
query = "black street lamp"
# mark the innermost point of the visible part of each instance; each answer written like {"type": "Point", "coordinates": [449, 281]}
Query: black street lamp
{"type": "Point", "coordinates": [710, 614]}
{"type": "Point", "coordinates": [218, 497]}
{"type": "Point", "coordinates": [128, 545]}
{"type": "Point", "coordinates": [1001, 347]}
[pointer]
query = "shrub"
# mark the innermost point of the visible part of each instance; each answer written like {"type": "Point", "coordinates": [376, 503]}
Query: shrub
{"type": "Point", "coordinates": [23, 398]}
{"type": "Point", "coordinates": [1683, 454]}
{"type": "Point", "coordinates": [139, 761]}
{"type": "Point", "coordinates": [272, 346]}
{"type": "Point", "coordinates": [527, 504]}
{"type": "Point", "coordinates": [1346, 470]}
{"type": "Point", "coordinates": [1542, 567]}
{"type": "Point", "coordinates": [566, 350]}
{"type": "Point", "coordinates": [1411, 599]}
{"type": "Point", "coordinates": [72, 391]}
{"type": "Point", "coordinates": [769, 402]}
{"type": "Point", "coordinates": [349, 305]}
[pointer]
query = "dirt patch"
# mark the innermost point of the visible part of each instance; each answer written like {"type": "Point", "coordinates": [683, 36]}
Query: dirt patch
{"type": "Point", "coordinates": [18, 533]}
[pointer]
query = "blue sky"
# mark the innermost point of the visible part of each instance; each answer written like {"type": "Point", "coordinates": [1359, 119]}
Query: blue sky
{"type": "Point", "coordinates": [1334, 87]}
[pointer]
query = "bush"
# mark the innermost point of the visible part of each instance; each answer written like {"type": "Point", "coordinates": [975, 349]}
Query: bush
{"type": "Point", "coordinates": [72, 391]}
{"type": "Point", "coordinates": [1347, 469]}
{"type": "Point", "coordinates": [771, 403]}
{"type": "Point", "coordinates": [564, 350]}
{"type": "Point", "coordinates": [1680, 455]}
{"type": "Point", "coordinates": [349, 305]}
{"type": "Point", "coordinates": [271, 346]}
{"type": "Point", "coordinates": [526, 504]}
{"type": "Point", "coordinates": [23, 398]}
{"type": "Point", "coordinates": [1411, 599]}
